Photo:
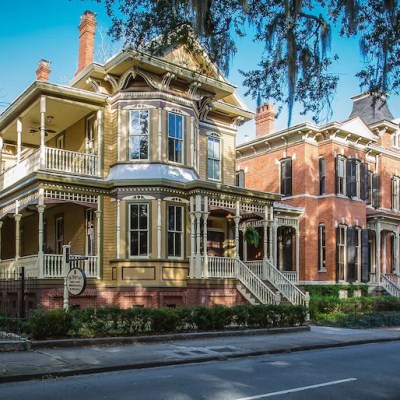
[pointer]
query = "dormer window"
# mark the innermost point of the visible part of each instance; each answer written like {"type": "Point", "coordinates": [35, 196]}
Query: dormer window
{"type": "Point", "coordinates": [139, 135]}
{"type": "Point", "coordinates": [175, 138]}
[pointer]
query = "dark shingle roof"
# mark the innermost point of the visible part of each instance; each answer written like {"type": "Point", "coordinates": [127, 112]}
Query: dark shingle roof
{"type": "Point", "coordinates": [371, 108]}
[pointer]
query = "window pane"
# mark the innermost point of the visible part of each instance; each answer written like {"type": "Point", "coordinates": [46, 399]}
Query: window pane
{"type": "Point", "coordinates": [171, 125]}
{"type": "Point", "coordinates": [134, 147]}
{"type": "Point", "coordinates": [144, 125]}
{"type": "Point", "coordinates": [217, 151]}
{"type": "Point", "coordinates": [171, 150]}
{"type": "Point", "coordinates": [178, 151]}
{"type": "Point", "coordinates": [178, 221]}
{"type": "Point", "coordinates": [134, 217]}
{"type": "Point", "coordinates": [216, 170]}
{"type": "Point", "coordinates": [178, 244]}
{"type": "Point", "coordinates": [143, 216]}
{"type": "Point", "coordinates": [135, 122]}
{"type": "Point", "coordinates": [178, 122]}
{"type": "Point", "coordinates": [143, 243]}
{"type": "Point", "coordinates": [171, 218]}
{"type": "Point", "coordinates": [134, 243]}
{"type": "Point", "coordinates": [171, 244]}
{"type": "Point", "coordinates": [210, 169]}
{"type": "Point", "coordinates": [144, 140]}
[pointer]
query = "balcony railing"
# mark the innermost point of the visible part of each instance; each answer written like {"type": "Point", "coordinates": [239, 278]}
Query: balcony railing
{"type": "Point", "coordinates": [65, 161]}
{"type": "Point", "coordinates": [52, 266]}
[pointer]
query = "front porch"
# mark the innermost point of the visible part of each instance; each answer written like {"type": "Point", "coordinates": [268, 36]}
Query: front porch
{"type": "Point", "coordinates": [53, 218]}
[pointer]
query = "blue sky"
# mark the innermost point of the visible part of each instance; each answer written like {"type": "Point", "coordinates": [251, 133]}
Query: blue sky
{"type": "Point", "coordinates": [31, 30]}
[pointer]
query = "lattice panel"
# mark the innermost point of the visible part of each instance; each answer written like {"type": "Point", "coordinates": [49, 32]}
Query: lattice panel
{"type": "Point", "coordinates": [67, 196]}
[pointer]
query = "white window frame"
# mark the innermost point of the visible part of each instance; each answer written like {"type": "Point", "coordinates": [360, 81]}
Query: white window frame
{"type": "Point", "coordinates": [343, 192]}
{"type": "Point", "coordinates": [395, 193]}
{"type": "Point", "coordinates": [130, 230]}
{"type": "Point", "coordinates": [175, 231]}
{"type": "Point", "coordinates": [343, 248]}
{"type": "Point", "coordinates": [175, 139]}
{"type": "Point", "coordinates": [214, 138]}
{"type": "Point", "coordinates": [139, 135]}
{"type": "Point", "coordinates": [321, 248]}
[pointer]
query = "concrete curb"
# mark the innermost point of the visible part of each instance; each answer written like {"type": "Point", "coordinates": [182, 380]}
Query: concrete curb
{"type": "Point", "coordinates": [162, 338]}
{"type": "Point", "coordinates": [165, 363]}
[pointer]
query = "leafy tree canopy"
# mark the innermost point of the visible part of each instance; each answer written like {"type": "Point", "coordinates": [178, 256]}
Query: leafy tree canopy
{"type": "Point", "coordinates": [296, 35]}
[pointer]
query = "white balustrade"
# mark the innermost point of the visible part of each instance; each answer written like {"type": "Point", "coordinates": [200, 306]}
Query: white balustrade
{"type": "Point", "coordinates": [372, 278]}
{"type": "Point", "coordinates": [291, 276]}
{"type": "Point", "coordinates": [390, 286]}
{"type": "Point", "coordinates": [286, 287]}
{"type": "Point", "coordinates": [52, 266]}
{"type": "Point", "coordinates": [71, 161]}
{"type": "Point", "coordinates": [221, 267]}
{"type": "Point", "coordinates": [55, 160]}
{"type": "Point", "coordinates": [7, 267]}
{"type": "Point", "coordinates": [89, 266]}
{"type": "Point", "coordinates": [255, 266]}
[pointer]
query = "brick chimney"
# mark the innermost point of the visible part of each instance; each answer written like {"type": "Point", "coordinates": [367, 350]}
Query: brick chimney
{"type": "Point", "coordinates": [265, 120]}
{"type": "Point", "coordinates": [87, 29]}
{"type": "Point", "coordinates": [43, 71]}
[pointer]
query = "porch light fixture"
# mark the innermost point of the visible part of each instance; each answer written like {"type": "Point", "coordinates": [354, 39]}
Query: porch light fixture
{"type": "Point", "coordinates": [229, 217]}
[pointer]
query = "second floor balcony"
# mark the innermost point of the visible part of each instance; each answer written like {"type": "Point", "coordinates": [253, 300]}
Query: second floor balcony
{"type": "Point", "coordinates": [51, 159]}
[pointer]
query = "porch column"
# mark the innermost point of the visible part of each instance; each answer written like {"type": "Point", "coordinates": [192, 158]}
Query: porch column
{"type": "Point", "coordinates": [205, 217]}
{"type": "Point", "coordinates": [1, 153]}
{"type": "Point", "coordinates": [394, 252]}
{"type": "Point", "coordinates": [384, 269]}
{"type": "Point", "coordinates": [297, 251]}
{"type": "Point", "coordinates": [192, 162]}
{"type": "Point", "coordinates": [397, 264]}
{"type": "Point", "coordinates": [265, 250]}
{"type": "Point", "coordinates": [118, 134]}
{"type": "Point", "coordinates": [19, 139]}
{"type": "Point", "coordinates": [159, 228]}
{"type": "Point", "coordinates": [198, 238]}
{"type": "Point", "coordinates": [17, 218]}
{"type": "Point", "coordinates": [275, 244]}
{"type": "Point", "coordinates": [118, 228]}
{"type": "Point", "coordinates": [378, 253]}
{"type": "Point", "coordinates": [236, 218]}
{"type": "Point", "coordinates": [98, 234]}
{"type": "Point", "coordinates": [244, 246]}
{"type": "Point", "coordinates": [192, 238]}
{"type": "Point", "coordinates": [42, 131]}
{"type": "Point", "coordinates": [159, 134]}
{"type": "Point", "coordinates": [100, 114]}
{"type": "Point", "coordinates": [1, 225]}
{"type": "Point", "coordinates": [40, 208]}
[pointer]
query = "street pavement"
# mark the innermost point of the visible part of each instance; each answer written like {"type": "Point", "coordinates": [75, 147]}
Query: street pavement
{"type": "Point", "coordinates": [39, 363]}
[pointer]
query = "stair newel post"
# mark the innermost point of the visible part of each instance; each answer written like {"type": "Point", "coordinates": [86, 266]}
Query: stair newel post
{"type": "Point", "coordinates": [307, 304]}
{"type": "Point", "coordinates": [278, 298]}
{"type": "Point", "coordinates": [198, 213]}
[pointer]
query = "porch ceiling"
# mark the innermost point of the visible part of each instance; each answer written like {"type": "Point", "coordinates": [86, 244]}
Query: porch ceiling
{"type": "Point", "coordinates": [63, 113]}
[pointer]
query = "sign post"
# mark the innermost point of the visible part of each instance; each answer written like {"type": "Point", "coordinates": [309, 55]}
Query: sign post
{"type": "Point", "coordinates": [74, 278]}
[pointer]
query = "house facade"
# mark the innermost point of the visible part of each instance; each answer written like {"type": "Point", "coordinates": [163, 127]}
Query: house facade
{"type": "Point", "coordinates": [346, 178]}
{"type": "Point", "coordinates": [133, 166]}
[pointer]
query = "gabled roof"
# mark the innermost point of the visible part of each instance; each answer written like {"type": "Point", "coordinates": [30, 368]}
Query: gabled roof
{"type": "Point", "coordinates": [357, 126]}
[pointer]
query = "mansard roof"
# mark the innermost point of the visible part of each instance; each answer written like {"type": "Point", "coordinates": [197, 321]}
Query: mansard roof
{"type": "Point", "coordinates": [371, 108]}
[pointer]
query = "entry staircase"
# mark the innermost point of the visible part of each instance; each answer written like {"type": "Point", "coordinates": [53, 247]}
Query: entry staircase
{"type": "Point", "coordinates": [391, 283]}
{"type": "Point", "coordinates": [257, 283]}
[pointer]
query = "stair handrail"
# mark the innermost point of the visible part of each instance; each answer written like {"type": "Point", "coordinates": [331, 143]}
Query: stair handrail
{"type": "Point", "coordinates": [287, 288]}
{"type": "Point", "coordinates": [390, 286]}
{"type": "Point", "coordinates": [255, 285]}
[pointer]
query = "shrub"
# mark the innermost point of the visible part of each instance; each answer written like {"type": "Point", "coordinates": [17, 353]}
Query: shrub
{"type": "Point", "coordinates": [333, 290]}
{"type": "Point", "coordinates": [50, 324]}
{"type": "Point", "coordinates": [164, 320]}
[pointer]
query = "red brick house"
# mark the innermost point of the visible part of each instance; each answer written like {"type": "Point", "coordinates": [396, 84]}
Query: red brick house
{"type": "Point", "coordinates": [346, 176]}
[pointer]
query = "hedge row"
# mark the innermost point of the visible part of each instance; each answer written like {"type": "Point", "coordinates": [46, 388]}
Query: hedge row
{"type": "Point", "coordinates": [333, 290]}
{"type": "Point", "coordinates": [333, 305]}
{"type": "Point", "coordinates": [112, 321]}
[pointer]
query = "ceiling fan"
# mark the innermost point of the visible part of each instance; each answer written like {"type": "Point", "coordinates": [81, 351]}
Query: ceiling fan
{"type": "Point", "coordinates": [46, 131]}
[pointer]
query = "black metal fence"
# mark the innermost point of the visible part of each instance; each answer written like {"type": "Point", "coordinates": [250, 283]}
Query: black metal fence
{"type": "Point", "coordinates": [18, 294]}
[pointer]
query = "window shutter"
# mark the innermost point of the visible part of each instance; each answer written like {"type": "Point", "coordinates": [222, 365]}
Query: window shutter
{"type": "Point", "coordinates": [240, 178]}
{"type": "Point", "coordinates": [364, 256]}
{"type": "Point", "coordinates": [351, 177]}
{"type": "Point", "coordinates": [321, 176]}
{"type": "Point", "coordinates": [363, 180]}
{"type": "Point", "coordinates": [289, 177]}
{"type": "Point", "coordinates": [376, 186]}
{"type": "Point", "coordinates": [337, 175]}
{"type": "Point", "coordinates": [351, 254]}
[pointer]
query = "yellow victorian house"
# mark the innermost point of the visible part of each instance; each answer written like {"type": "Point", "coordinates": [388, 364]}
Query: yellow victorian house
{"type": "Point", "coordinates": [133, 165]}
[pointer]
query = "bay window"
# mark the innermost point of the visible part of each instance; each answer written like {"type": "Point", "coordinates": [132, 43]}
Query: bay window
{"type": "Point", "coordinates": [138, 230]}
{"type": "Point", "coordinates": [175, 137]}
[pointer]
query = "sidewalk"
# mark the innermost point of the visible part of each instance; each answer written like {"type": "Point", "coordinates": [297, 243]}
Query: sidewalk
{"type": "Point", "coordinates": [64, 361]}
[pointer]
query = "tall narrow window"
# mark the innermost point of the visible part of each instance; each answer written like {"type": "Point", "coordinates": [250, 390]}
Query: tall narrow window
{"type": "Point", "coordinates": [376, 190]}
{"type": "Point", "coordinates": [341, 251]}
{"type": "Point", "coordinates": [175, 137]}
{"type": "Point", "coordinates": [175, 231]}
{"type": "Point", "coordinates": [322, 176]}
{"type": "Point", "coordinates": [139, 135]}
{"type": "Point", "coordinates": [139, 230]}
{"type": "Point", "coordinates": [395, 193]}
{"type": "Point", "coordinates": [321, 248]}
{"type": "Point", "coordinates": [59, 234]}
{"type": "Point", "coordinates": [286, 177]}
{"type": "Point", "coordinates": [351, 177]}
{"type": "Point", "coordinates": [340, 175]}
{"type": "Point", "coordinates": [352, 254]}
{"type": "Point", "coordinates": [214, 158]}
{"type": "Point", "coordinates": [89, 135]}
{"type": "Point", "coordinates": [363, 181]}
{"type": "Point", "coordinates": [240, 178]}
{"type": "Point", "coordinates": [369, 188]}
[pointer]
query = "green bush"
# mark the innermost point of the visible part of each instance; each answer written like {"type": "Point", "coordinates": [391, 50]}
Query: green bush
{"type": "Point", "coordinates": [108, 321]}
{"type": "Point", "coordinates": [50, 324]}
{"type": "Point", "coordinates": [333, 290]}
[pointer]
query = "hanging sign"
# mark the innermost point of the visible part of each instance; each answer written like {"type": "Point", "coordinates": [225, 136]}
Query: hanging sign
{"type": "Point", "coordinates": [76, 281]}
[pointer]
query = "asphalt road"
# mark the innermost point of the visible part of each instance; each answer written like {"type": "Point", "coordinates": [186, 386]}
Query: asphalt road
{"type": "Point", "coordinates": [359, 372]}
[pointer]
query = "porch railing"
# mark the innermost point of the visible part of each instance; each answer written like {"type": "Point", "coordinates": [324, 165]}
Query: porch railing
{"type": "Point", "coordinates": [54, 160]}
{"type": "Point", "coordinates": [291, 276]}
{"type": "Point", "coordinates": [52, 266]}
{"type": "Point", "coordinates": [256, 267]}
{"type": "Point", "coordinates": [390, 286]}
{"type": "Point", "coordinates": [226, 267]}
{"type": "Point", "coordinates": [70, 161]}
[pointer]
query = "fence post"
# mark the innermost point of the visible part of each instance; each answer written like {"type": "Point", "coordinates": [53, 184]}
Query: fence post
{"type": "Point", "coordinates": [22, 293]}
{"type": "Point", "coordinates": [307, 301]}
